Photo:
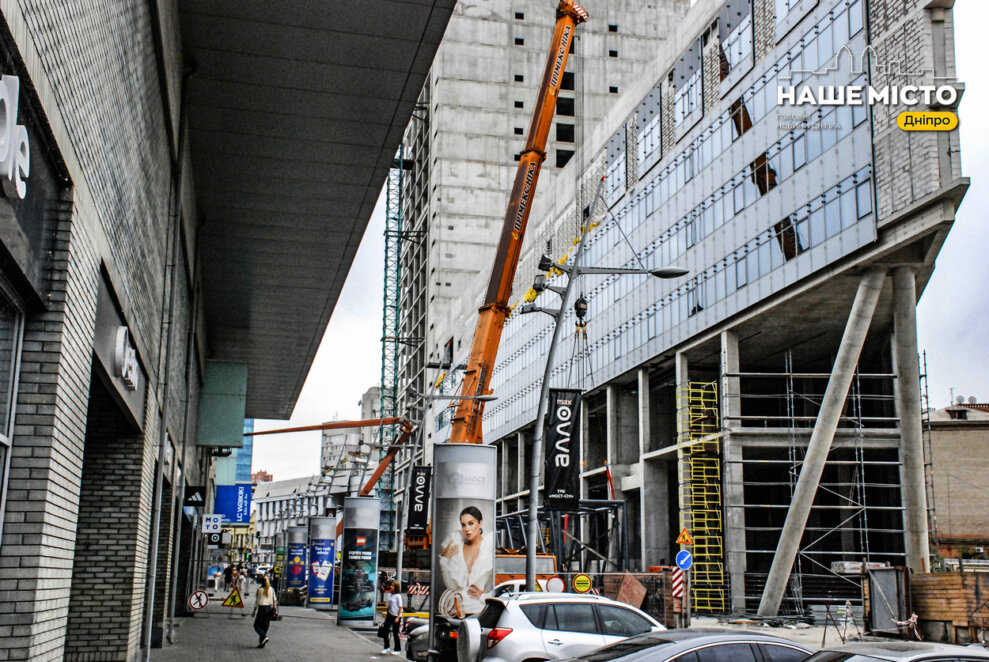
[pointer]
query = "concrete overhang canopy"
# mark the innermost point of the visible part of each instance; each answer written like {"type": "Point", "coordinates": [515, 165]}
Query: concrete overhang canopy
{"type": "Point", "coordinates": [295, 110]}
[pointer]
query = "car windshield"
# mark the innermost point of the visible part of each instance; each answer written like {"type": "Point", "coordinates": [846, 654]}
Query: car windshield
{"type": "Point", "coordinates": [623, 648]}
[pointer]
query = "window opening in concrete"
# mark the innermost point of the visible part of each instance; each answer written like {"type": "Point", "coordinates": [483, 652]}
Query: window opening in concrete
{"type": "Point", "coordinates": [612, 53]}
{"type": "Point", "coordinates": [519, 41]}
{"type": "Point", "coordinates": [612, 27]}
{"type": "Point", "coordinates": [565, 107]}
{"type": "Point", "coordinates": [519, 104]}
{"type": "Point", "coordinates": [519, 78]}
{"type": "Point", "coordinates": [566, 83]}
{"type": "Point", "coordinates": [565, 133]}
{"type": "Point", "coordinates": [613, 89]}
{"type": "Point", "coordinates": [519, 16]}
{"type": "Point", "coordinates": [563, 157]}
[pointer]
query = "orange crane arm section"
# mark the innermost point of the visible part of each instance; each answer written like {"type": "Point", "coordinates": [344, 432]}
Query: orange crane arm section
{"type": "Point", "coordinates": [406, 431]}
{"type": "Point", "coordinates": [466, 427]}
{"type": "Point", "coordinates": [336, 425]}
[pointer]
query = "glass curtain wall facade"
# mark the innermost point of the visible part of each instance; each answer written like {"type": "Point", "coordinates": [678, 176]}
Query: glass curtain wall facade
{"type": "Point", "coordinates": [775, 210]}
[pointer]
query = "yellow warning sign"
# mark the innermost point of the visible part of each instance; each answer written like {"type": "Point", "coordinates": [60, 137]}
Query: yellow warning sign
{"type": "Point", "coordinates": [685, 538]}
{"type": "Point", "coordinates": [234, 599]}
{"type": "Point", "coordinates": [582, 583]}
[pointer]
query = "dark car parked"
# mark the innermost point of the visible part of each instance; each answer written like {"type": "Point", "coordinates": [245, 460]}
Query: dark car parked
{"type": "Point", "coordinates": [900, 651]}
{"type": "Point", "coordinates": [417, 644]}
{"type": "Point", "coordinates": [700, 645]}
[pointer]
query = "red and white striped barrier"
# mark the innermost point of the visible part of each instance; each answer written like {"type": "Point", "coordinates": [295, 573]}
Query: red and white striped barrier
{"type": "Point", "coordinates": [678, 583]}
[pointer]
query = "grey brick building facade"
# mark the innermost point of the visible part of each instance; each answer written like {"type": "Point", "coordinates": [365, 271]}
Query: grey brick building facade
{"type": "Point", "coordinates": [78, 509]}
{"type": "Point", "coordinates": [126, 310]}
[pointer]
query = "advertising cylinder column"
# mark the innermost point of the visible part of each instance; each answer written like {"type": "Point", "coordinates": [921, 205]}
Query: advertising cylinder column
{"type": "Point", "coordinates": [296, 561]}
{"type": "Point", "coordinates": [359, 566]}
{"type": "Point", "coordinates": [281, 553]}
{"type": "Point", "coordinates": [322, 546]}
{"type": "Point", "coordinates": [463, 554]}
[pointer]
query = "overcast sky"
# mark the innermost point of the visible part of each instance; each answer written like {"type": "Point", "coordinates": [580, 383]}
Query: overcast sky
{"type": "Point", "coordinates": [953, 313]}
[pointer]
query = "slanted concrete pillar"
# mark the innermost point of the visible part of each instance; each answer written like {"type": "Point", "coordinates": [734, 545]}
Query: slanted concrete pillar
{"type": "Point", "coordinates": [907, 369]}
{"type": "Point", "coordinates": [734, 496]}
{"type": "Point", "coordinates": [863, 307]}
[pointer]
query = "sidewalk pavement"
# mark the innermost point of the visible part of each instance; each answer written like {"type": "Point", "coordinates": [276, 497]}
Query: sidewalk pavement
{"type": "Point", "coordinates": [223, 634]}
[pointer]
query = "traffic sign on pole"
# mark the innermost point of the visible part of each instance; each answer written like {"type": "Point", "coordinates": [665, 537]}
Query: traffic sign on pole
{"type": "Point", "coordinates": [198, 600]}
{"type": "Point", "coordinates": [685, 538]}
{"type": "Point", "coordinates": [684, 559]}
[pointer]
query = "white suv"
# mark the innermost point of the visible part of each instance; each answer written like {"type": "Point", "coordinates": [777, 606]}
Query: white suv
{"type": "Point", "coordinates": [547, 626]}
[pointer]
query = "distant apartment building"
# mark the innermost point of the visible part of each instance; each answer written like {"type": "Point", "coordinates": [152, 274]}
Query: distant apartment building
{"type": "Point", "coordinates": [809, 231]}
{"type": "Point", "coordinates": [284, 503]}
{"type": "Point", "coordinates": [959, 444]}
{"type": "Point", "coordinates": [261, 476]}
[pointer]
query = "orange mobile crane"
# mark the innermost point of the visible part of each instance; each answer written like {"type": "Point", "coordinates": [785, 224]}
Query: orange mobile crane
{"type": "Point", "coordinates": [492, 315]}
{"type": "Point", "coordinates": [466, 427]}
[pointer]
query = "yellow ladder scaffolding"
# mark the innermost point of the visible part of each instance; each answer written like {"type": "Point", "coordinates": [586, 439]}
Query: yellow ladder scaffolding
{"type": "Point", "coordinates": [699, 463]}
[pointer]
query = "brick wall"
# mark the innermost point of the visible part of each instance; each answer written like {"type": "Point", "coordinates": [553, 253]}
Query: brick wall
{"type": "Point", "coordinates": [765, 28]}
{"type": "Point", "coordinates": [113, 118]}
{"type": "Point", "coordinates": [109, 125]}
{"type": "Point", "coordinates": [907, 164]}
{"type": "Point", "coordinates": [103, 580]}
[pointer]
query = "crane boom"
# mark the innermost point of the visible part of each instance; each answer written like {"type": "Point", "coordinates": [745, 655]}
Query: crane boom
{"type": "Point", "coordinates": [403, 436]}
{"type": "Point", "coordinates": [466, 427]}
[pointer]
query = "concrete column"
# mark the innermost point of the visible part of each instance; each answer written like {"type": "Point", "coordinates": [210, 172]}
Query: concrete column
{"type": "Point", "coordinates": [613, 396]}
{"type": "Point", "coordinates": [907, 369]}
{"type": "Point", "coordinates": [832, 404]}
{"type": "Point", "coordinates": [644, 526]}
{"type": "Point", "coordinates": [682, 377]}
{"type": "Point", "coordinates": [731, 401]}
{"type": "Point", "coordinates": [655, 513]}
{"type": "Point", "coordinates": [519, 462]}
{"type": "Point", "coordinates": [734, 496]}
{"type": "Point", "coordinates": [645, 431]}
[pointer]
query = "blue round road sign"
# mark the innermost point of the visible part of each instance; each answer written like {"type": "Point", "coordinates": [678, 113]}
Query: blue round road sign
{"type": "Point", "coordinates": [684, 560]}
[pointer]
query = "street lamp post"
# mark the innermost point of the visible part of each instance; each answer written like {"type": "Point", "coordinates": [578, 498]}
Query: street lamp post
{"type": "Point", "coordinates": [572, 271]}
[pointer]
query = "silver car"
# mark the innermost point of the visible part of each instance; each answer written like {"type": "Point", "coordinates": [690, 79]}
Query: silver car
{"type": "Point", "coordinates": [547, 626]}
{"type": "Point", "coordinates": [900, 651]}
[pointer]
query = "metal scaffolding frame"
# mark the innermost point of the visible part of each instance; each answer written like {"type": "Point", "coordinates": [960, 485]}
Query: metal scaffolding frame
{"type": "Point", "coordinates": [604, 541]}
{"type": "Point", "coordinates": [856, 494]}
{"type": "Point", "coordinates": [699, 464]}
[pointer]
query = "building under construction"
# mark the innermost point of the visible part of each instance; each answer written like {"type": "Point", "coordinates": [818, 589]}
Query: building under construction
{"type": "Point", "coordinates": [809, 231]}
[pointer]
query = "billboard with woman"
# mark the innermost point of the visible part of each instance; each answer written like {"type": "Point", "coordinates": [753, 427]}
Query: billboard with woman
{"type": "Point", "coordinates": [464, 521]}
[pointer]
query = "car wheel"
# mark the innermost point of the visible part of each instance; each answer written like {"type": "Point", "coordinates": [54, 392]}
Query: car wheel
{"type": "Point", "coordinates": [468, 640]}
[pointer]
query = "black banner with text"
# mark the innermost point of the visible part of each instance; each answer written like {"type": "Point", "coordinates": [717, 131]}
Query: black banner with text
{"type": "Point", "coordinates": [563, 450]}
{"type": "Point", "coordinates": [419, 501]}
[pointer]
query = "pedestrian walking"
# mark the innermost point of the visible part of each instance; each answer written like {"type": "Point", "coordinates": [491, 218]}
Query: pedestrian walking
{"type": "Point", "coordinates": [228, 572]}
{"type": "Point", "coordinates": [265, 609]}
{"type": "Point", "coordinates": [393, 619]}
